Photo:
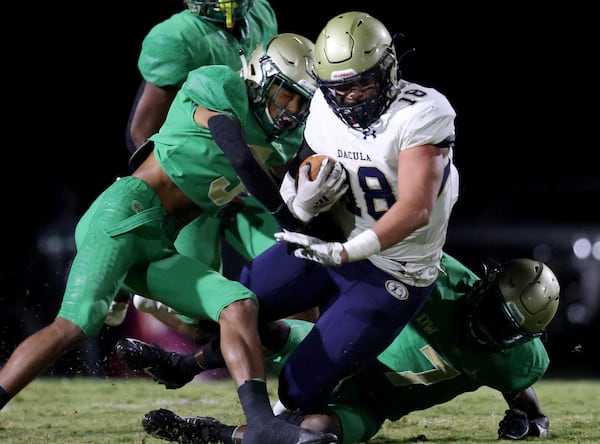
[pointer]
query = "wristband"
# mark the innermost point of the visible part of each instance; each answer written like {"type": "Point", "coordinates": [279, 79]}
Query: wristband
{"type": "Point", "coordinates": [362, 246]}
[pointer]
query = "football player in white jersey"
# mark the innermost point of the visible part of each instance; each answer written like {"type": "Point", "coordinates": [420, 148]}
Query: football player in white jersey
{"type": "Point", "coordinates": [395, 141]}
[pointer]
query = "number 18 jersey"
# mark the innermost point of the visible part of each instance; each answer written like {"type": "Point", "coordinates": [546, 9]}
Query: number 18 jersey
{"type": "Point", "coordinates": [418, 116]}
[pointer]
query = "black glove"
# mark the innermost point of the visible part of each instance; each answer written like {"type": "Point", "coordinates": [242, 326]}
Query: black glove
{"type": "Point", "coordinates": [516, 426]}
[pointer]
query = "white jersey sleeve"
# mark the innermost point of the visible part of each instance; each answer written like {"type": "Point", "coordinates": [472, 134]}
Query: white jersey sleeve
{"type": "Point", "coordinates": [418, 116]}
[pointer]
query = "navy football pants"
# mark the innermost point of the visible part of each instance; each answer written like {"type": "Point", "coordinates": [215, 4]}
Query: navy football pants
{"type": "Point", "coordinates": [363, 310]}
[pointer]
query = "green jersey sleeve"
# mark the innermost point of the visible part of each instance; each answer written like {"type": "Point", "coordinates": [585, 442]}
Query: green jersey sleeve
{"type": "Point", "coordinates": [218, 88]}
{"type": "Point", "coordinates": [184, 42]}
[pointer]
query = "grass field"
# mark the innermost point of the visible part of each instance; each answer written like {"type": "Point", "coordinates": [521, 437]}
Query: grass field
{"type": "Point", "coordinates": [103, 411]}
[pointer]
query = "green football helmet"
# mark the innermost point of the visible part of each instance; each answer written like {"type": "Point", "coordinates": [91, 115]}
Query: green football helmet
{"type": "Point", "coordinates": [513, 303]}
{"type": "Point", "coordinates": [354, 47]}
{"type": "Point", "coordinates": [221, 11]}
{"type": "Point", "coordinates": [285, 61]}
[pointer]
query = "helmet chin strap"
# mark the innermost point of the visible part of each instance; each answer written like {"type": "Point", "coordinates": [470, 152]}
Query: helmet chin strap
{"type": "Point", "coordinates": [270, 133]}
{"type": "Point", "coordinates": [268, 114]}
{"type": "Point", "coordinates": [244, 70]}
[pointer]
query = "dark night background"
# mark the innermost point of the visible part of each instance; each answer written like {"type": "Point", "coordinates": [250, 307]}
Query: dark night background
{"type": "Point", "coordinates": [517, 79]}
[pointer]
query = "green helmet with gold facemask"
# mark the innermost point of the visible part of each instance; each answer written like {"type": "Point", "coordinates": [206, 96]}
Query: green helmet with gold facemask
{"type": "Point", "coordinates": [227, 12]}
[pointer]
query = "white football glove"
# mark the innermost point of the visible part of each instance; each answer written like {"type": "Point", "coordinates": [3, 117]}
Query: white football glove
{"type": "Point", "coordinates": [312, 248]}
{"type": "Point", "coordinates": [315, 196]}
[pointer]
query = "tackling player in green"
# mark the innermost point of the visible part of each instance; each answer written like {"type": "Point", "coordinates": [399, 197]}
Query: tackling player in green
{"type": "Point", "coordinates": [471, 333]}
{"type": "Point", "coordinates": [207, 32]}
{"type": "Point", "coordinates": [126, 238]}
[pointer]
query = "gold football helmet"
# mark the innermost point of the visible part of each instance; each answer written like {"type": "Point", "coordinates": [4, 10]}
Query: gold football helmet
{"type": "Point", "coordinates": [221, 11]}
{"type": "Point", "coordinates": [286, 62]}
{"type": "Point", "coordinates": [513, 304]}
{"type": "Point", "coordinates": [356, 48]}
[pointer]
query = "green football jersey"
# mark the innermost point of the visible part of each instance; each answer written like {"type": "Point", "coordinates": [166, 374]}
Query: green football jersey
{"type": "Point", "coordinates": [189, 155]}
{"type": "Point", "coordinates": [185, 41]}
{"type": "Point", "coordinates": [428, 363]}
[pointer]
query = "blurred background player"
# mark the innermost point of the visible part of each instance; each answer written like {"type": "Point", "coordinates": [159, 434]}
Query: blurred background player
{"type": "Point", "coordinates": [471, 333]}
{"type": "Point", "coordinates": [211, 32]}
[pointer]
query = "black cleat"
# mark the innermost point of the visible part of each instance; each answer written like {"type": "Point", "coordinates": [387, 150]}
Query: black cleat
{"type": "Point", "coordinates": [309, 437]}
{"type": "Point", "coordinates": [167, 425]}
{"type": "Point", "coordinates": [278, 431]}
{"type": "Point", "coordinates": [163, 366]}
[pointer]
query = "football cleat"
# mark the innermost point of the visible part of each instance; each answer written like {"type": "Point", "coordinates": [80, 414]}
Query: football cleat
{"type": "Point", "coordinates": [163, 366]}
{"type": "Point", "coordinates": [278, 431]}
{"type": "Point", "coordinates": [167, 425]}
{"type": "Point", "coordinates": [310, 437]}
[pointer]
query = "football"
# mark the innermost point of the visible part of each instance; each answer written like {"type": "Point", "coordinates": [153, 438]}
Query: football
{"type": "Point", "coordinates": [315, 164]}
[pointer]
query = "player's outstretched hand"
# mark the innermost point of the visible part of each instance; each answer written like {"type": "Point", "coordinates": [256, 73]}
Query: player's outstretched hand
{"type": "Point", "coordinates": [312, 248]}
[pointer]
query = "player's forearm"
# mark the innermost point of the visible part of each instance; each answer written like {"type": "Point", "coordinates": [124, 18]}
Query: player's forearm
{"type": "Point", "coordinates": [398, 223]}
{"type": "Point", "coordinates": [227, 133]}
